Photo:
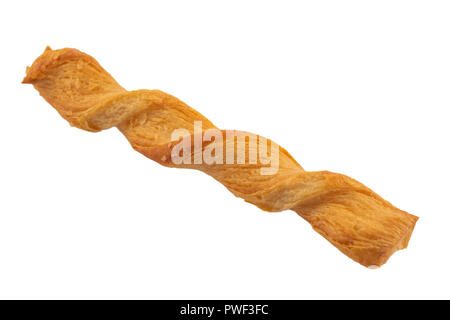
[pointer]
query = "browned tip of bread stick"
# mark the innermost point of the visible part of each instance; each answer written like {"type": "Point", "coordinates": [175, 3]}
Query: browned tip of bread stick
{"type": "Point", "coordinates": [353, 218]}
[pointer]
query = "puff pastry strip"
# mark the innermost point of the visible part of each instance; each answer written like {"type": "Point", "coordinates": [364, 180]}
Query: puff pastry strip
{"type": "Point", "coordinates": [357, 221]}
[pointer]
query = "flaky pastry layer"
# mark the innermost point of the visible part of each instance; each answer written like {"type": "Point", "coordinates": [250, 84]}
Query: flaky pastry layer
{"type": "Point", "coordinates": [357, 221]}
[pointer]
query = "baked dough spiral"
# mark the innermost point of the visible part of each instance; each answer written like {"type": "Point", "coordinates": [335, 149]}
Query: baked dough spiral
{"type": "Point", "coordinates": [357, 221]}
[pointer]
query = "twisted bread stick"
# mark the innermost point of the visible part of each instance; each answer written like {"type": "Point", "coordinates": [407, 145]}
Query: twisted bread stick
{"type": "Point", "coordinates": [352, 217]}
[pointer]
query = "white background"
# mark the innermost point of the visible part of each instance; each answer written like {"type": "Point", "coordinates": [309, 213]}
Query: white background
{"type": "Point", "coordinates": [356, 87]}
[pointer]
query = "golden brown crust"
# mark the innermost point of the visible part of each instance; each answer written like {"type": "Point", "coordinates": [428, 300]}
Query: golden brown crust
{"type": "Point", "coordinates": [352, 217]}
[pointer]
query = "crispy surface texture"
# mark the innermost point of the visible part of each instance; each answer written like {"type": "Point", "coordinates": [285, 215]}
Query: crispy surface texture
{"type": "Point", "coordinates": [357, 221]}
